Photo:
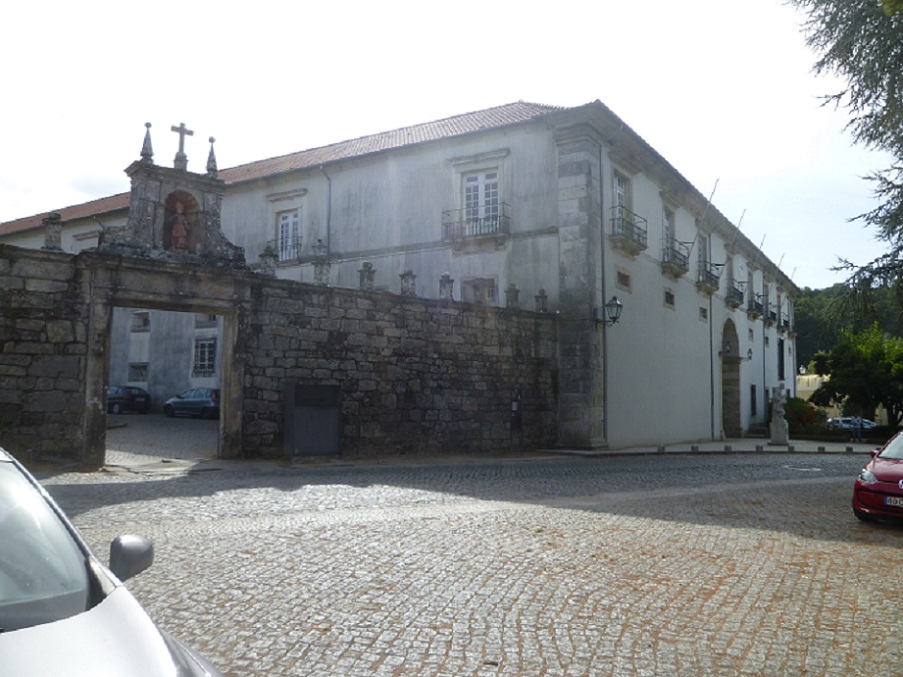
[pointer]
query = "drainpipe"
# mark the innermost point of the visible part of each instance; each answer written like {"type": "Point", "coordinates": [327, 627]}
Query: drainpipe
{"type": "Point", "coordinates": [328, 211]}
{"type": "Point", "coordinates": [712, 364]}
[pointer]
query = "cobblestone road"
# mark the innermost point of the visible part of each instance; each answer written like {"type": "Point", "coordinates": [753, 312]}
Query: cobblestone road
{"type": "Point", "coordinates": [618, 566]}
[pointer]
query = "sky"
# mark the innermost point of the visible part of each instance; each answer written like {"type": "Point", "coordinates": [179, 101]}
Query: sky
{"type": "Point", "coordinates": [723, 90]}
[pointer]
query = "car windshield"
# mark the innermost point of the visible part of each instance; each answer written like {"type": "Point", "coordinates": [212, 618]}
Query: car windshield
{"type": "Point", "coordinates": [43, 572]}
{"type": "Point", "coordinates": [894, 448]}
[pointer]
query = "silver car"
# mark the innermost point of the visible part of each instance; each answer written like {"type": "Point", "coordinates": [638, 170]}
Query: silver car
{"type": "Point", "coordinates": [62, 612]}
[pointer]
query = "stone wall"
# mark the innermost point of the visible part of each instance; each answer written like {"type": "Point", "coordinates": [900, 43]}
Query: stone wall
{"type": "Point", "coordinates": [416, 375]}
{"type": "Point", "coordinates": [43, 350]}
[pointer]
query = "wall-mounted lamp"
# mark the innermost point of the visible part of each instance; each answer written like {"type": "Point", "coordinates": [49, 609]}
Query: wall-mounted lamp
{"type": "Point", "coordinates": [728, 350]}
{"type": "Point", "coordinates": [612, 311]}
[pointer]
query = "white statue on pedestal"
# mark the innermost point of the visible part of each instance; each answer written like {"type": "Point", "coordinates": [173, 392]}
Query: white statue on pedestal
{"type": "Point", "coordinates": [780, 433]}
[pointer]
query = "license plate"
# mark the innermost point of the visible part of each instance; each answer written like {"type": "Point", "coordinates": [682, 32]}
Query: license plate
{"type": "Point", "coordinates": [896, 501]}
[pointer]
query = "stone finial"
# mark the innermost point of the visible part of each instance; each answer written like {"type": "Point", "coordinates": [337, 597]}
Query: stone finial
{"type": "Point", "coordinates": [53, 232]}
{"type": "Point", "coordinates": [512, 296]}
{"type": "Point", "coordinates": [321, 249]}
{"type": "Point", "coordinates": [268, 261]}
{"type": "Point", "coordinates": [408, 285]}
{"type": "Point", "coordinates": [321, 271]}
{"type": "Point", "coordinates": [211, 161]}
{"type": "Point", "coordinates": [366, 274]}
{"type": "Point", "coordinates": [147, 151]}
{"type": "Point", "coordinates": [181, 161]}
{"type": "Point", "coordinates": [542, 301]}
{"type": "Point", "coordinates": [446, 287]}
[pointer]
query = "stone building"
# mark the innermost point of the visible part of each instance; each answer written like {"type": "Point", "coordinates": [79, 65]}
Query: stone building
{"type": "Point", "coordinates": [546, 209]}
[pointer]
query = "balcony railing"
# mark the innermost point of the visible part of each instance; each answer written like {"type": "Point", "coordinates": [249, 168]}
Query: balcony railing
{"type": "Point", "coordinates": [734, 296]}
{"type": "Point", "coordinates": [708, 277]}
{"type": "Point", "coordinates": [628, 231]}
{"type": "Point", "coordinates": [675, 257]}
{"type": "Point", "coordinates": [754, 308]}
{"type": "Point", "coordinates": [771, 316]}
{"type": "Point", "coordinates": [460, 224]}
{"type": "Point", "coordinates": [287, 249]}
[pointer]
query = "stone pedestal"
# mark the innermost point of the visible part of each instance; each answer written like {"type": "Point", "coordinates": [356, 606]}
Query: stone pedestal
{"type": "Point", "coordinates": [780, 432]}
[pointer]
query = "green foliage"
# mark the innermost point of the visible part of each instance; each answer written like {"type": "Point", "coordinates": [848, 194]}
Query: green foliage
{"type": "Point", "coordinates": [862, 42]}
{"type": "Point", "coordinates": [820, 315]}
{"type": "Point", "coordinates": [802, 416]}
{"type": "Point", "coordinates": [866, 369]}
{"type": "Point", "coordinates": [892, 7]}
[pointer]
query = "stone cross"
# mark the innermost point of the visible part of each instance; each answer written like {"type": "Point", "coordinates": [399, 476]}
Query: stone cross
{"type": "Point", "coordinates": [181, 161]}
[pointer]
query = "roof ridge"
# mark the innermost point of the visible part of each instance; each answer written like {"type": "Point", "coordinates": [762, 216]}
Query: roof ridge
{"type": "Point", "coordinates": [548, 108]}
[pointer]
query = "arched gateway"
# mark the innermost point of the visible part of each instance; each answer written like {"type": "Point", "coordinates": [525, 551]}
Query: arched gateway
{"type": "Point", "coordinates": [731, 424]}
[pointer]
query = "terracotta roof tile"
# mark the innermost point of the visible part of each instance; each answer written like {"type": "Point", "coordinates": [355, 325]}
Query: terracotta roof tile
{"type": "Point", "coordinates": [104, 205]}
{"type": "Point", "coordinates": [465, 123]}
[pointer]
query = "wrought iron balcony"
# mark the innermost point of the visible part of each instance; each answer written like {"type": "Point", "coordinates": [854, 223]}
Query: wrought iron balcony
{"type": "Point", "coordinates": [754, 308]}
{"type": "Point", "coordinates": [628, 231]}
{"type": "Point", "coordinates": [708, 277]}
{"type": "Point", "coordinates": [771, 316]}
{"type": "Point", "coordinates": [734, 297]}
{"type": "Point", "coordinates": [675, 257]}
{"type": "Point", "coordinates": [287, 249]}
{"type": "Point", "coordinates": [784, 324]}
{"type": "Point", "coordinates": [459, 224]}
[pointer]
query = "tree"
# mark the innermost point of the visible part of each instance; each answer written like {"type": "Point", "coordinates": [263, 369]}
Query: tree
{"type": "Point", "coordinates": [865, 369]}
{"type": "Point", "coordinates": [892, 7]}
{"type": "Point", "coordinates": [862, 41]}
{"type": "Point", "coordinates": [821, 314]}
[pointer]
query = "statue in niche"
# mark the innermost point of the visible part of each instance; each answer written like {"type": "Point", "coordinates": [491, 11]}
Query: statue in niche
{"type": "Point", "coordinates": [178, 234]}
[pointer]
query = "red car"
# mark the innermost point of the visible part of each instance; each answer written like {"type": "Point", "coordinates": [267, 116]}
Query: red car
{"type": "Point", "coordinates": [878, 491]}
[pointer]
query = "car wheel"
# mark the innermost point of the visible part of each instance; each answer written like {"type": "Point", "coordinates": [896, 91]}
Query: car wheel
{"type": "Point", "coordinates": [116, 408]}
{"type": "Point", "coordinates": [169, 411]}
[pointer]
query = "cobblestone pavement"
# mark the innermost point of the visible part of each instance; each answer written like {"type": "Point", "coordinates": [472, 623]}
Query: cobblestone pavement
{"type": "Point", "coordinates": [680, 565]}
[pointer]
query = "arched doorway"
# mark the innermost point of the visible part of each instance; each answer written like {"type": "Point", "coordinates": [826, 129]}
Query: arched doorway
{"type": "Point", "coordinates": [730, 381]}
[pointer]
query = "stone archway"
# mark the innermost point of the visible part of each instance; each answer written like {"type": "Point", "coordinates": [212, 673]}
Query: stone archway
{"type": "Point", "coordinates": [731, 422]}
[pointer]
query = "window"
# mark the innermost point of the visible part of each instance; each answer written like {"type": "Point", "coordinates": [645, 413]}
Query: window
{"type": "Point", "coordinates": [668, 225]}
{"type": "Point", "coordinates": [669, 298]}
{"type": "Point", "coordinates": [481, 202]}
{"type": "Point", "coordinates": [780, 359]}
{"type": "Point", "coordinates": [204, 357]}
{"type": "Point", "coordinates": [138, 371]}
{"type": "Point", "coordinates": [622, 191]}
{"type": "Point", "coordinates": [480, 290]}
{"type": "Point", "coordinates": [703, 314]}
{"type": "Point", "coordinates": [141, 321]}
{"type": "Point", "coordinates": [288, 241]}
{"type": "Point", "coordinates": [623, 281]}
